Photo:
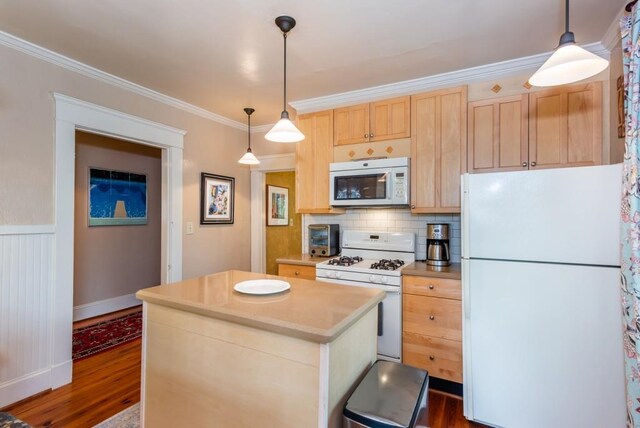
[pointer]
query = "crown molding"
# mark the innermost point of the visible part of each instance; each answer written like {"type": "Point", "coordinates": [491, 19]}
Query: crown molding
{"type": "Point", "coordinates": [262, 128]}
{"type": "Point", "coordinates": [55, 58]}
{"type": "Point", "coordinates": [611, 38]}
{"type": "Point", "coordinates": [454, 78]}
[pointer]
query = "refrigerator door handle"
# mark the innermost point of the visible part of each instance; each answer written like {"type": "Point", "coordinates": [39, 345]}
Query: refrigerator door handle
{"type": "Point", "coordinates": [466, 294]}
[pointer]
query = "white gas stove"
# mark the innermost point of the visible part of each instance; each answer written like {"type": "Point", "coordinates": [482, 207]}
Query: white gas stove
{"type": "Point", "coordinates": [375, 260]}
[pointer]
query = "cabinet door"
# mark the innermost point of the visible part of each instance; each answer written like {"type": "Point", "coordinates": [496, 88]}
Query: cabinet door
{"type": "Point", "coordinates": [438, 149]}
{"type": "Point", "coordinates": [390, 119]}
{"type": "Point", "coordinates": [351, 125]}
{"type": "Point", "coordinates": [565, 126]}
{"type": "Point", "coordinates": [313, 155]}
{"type": "Point", "coordinates": [499, 134]}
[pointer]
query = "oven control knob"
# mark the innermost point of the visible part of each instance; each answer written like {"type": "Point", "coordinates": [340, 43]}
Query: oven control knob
{"type": "Point", "coordinates": [384, 280]}
{"type": "Point", "coordinates": [372, 278]}
{"type": "Point", "coordinates": [337, 275]}
{"type": "Point", "coordinates": [331, 274]}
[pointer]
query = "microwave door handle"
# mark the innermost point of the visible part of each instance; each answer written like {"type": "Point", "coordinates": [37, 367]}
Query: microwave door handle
{"type": "Point", "coordinates": [389, 195]}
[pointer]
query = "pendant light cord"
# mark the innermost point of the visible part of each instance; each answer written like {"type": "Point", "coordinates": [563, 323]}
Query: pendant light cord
{"type": "Point", "coordinates": [566, 17]}
{"type": "Point", "coordinates": [249, 125]}
{"type": "Point", "coordinates": [284, 107]}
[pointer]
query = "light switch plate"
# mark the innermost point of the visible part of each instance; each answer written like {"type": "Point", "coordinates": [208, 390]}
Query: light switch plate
{"type": "Point", "coordinates": [189, 228]}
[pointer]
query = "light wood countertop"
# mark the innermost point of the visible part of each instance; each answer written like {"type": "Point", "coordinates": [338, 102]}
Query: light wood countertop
{"type": "Point", "coordinates": [302, 260]}
{"type": "Point", "coordinates": [310, 310]}
{"type": "Point", "coordinates": [453, 271]}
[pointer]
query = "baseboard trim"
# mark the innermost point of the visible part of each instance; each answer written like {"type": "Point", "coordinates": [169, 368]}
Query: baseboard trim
{"type": "Point", "coordinates": [61, 374]}
{"type": "Point", "coordinates": [23, 387]}
{"type": "Point", "coordinates": [106, 306]}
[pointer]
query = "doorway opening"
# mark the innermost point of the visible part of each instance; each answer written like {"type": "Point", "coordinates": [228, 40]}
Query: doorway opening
{"type": "Point", "coordinates": [73, 115]}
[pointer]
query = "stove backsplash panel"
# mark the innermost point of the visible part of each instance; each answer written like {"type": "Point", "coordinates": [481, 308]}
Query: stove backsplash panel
{"type": "Point", "coordinates": [389, 220]}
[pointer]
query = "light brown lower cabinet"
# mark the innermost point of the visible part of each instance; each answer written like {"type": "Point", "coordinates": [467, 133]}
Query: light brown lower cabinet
{"type": "Point", "coordinates": [432, 326]}
{"type": "Point", "coordinates": [297, 271]}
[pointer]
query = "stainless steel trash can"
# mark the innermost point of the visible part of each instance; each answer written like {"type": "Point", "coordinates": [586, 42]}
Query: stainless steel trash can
{"type": "Point", "coordinates": [391, 395]}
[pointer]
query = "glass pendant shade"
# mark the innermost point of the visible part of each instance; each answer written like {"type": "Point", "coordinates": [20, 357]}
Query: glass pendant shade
{"type": "Point", "coordinates": [284, 131]}
{"type": "Point", "coordinates": [569, 63]}
{"type": "Point", "coordinates": [249, 159]}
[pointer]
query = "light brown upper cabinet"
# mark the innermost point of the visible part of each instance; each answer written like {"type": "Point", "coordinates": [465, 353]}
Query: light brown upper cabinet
{"type": "Point", "coordinates": [565, 126]}
{"type": "Point", "coordinates": [313, 155]}
{"type": "Point", "coordinates": [554, 128]}
{"type": "Point", "coordinates": [438, 149]}
{"type": "Point", "coordinates": [499, 134]}
{"type": "Point", "coordinates": [379, 121]}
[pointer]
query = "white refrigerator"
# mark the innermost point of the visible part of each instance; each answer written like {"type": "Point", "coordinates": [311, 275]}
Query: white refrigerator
{"type": "Point", "coordinates": [542, 327]}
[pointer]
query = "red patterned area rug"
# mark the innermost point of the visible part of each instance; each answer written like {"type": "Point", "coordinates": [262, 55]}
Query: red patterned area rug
{"type": "Point", "coordinates": [105, 335]}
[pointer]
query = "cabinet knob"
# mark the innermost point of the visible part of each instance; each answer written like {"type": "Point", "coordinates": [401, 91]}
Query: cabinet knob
{"type": "Point", "coordinates": [533, 164]}
{"type": "Point", "coordinates": [370, 135]}
{"type": "Point", "coordinates": [413, 207]}
{"type": "Point", "coordinates": [297, 273]}
{"type": "Point", "coordinates": [524, 164]}
{"type": "Point", "coordinates": [431, 287]}
{"type": "Point", "coordinates": [366, 135]}
{"type": "Point", "coordinates": [431, 357]}
{"type": "Point", "coordinates": [432, 317]}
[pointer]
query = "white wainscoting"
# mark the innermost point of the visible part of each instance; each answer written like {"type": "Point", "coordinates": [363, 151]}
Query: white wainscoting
{"type": "Point", "coordinates": [26, 288]}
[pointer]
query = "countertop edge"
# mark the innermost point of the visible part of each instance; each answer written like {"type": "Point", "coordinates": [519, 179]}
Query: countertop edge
{"type": "Point", "coordinates": [452, 271]}
{"type": "Point", "coordinates": [311, 334]}
{"type": "Point", "coordinates": [303, 261]}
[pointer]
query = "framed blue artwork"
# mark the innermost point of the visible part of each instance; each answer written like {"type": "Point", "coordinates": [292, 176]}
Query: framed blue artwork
{"type": "Point", "coordinates": [117, 198]}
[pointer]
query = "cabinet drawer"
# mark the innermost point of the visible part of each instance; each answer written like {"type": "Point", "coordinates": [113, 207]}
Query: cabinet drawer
{"type": "Point", "coordinates": [432, 316]}
{"type": "Point", "coordinates": [442, 358]}
{"type": "Point", "coordinates": [297, 271]}
{"type": "Point", "coordinates": [432, 287]}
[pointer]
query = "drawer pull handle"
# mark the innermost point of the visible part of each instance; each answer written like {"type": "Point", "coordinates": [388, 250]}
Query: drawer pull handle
{"type": "Point", "coordinates": [297, 273]}
{"type": "Point", "coordinates": [432, 317]}
{"type": "Point", "coordinates": [431, 357]}
{"type": "Point", "coordinates": [431, 287]}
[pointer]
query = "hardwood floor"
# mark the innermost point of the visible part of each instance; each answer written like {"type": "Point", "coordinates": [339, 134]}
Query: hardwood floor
{"type": "Point", "coordinates": [103, 385]}
{"type": "Point", "coordinates": [109, 382]}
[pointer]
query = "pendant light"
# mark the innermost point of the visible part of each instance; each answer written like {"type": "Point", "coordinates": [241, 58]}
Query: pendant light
{"type": "Point", "coordinates": [569, 63]}
{"type": "Point", "coordinates": [249, 158]}
{"type": "Point", "coordinates": [285, 131]}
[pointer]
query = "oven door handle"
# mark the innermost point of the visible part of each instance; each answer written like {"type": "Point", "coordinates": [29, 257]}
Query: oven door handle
{"type": "Point", "coordinates": [380, 314]}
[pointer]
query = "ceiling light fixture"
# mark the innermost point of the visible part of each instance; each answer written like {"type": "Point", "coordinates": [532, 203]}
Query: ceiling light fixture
{"type": "Point", "coordinates": [249, 158]}
{"type": "Point", "coordinates": [285, 131]}
{"type": "Point", "coordinates": [569, 63]}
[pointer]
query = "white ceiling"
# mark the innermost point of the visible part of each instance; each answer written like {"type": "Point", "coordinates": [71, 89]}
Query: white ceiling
{"type": "Point", "coordinates": [226, 55]}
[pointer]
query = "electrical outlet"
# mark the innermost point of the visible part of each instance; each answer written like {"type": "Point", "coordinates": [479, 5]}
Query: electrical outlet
{"type": "Point", "coordinates": [290, 222]}
{"type": "Point", "coordinates": [189, 228]}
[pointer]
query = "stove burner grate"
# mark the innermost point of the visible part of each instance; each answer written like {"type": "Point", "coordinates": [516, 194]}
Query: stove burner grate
{"type": "Point", "coordinates": [345, 261]}
{"type": "Point", "coordinates": [386, 264]}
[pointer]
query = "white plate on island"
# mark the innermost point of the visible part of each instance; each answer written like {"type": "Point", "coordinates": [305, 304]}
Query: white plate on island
{"type": "Point", "coordinates": [262, 286]}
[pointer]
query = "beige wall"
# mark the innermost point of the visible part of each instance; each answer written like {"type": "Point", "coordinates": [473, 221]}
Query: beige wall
{"type": "Point", "coordinates": [113, 261]}
{"type": "Point", "coordinates": [27, 155]}
{"type": "Point", "coordinates": [283, 240]}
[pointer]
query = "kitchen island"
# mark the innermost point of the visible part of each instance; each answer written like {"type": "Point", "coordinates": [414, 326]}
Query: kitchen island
{"type": "Point", "coordinates": [216, 357]}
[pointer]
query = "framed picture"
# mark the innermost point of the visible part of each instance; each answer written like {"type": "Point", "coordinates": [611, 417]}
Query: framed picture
{"type": "Point", "coordinates": [277, 206]}
{"type": "Point", "coordinates": [217, 194]}
{"type": "Point", "coordinates": [116, 198]}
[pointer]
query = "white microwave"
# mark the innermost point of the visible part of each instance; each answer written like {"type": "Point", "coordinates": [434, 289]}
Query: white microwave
{"type": "Point", "coordinates": [377, 182]}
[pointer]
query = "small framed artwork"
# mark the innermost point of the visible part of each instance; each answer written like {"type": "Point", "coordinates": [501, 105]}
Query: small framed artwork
{"type": "Point", "coordinates": [277, 206]}
{"type": "Point", "coordinates": [117, 198]}
{"type": "Point", "coordinates": [217, 194]}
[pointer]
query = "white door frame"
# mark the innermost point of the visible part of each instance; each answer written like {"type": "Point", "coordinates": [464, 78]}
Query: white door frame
{"type": "Point", "coordinates": [71, 115]}
{"type": "Point", "coordinates": [270, 163]}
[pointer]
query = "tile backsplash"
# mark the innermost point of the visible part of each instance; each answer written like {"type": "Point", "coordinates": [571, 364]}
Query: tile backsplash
{"type": "Point", "coordinates": [390, 220]}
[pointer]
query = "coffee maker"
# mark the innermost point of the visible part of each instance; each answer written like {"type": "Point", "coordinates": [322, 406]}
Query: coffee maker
{"type": "Point", "coordinates": [438, 244]}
